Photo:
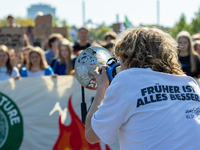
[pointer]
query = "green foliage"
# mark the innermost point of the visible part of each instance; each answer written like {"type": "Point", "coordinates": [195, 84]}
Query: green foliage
{"type": "Point", "coordinates": [24, 22]}
{"type": "Point", "coordinates": [68, 29]}
{"type": "Point", "coordinates": [55, 22]}
{"type": "Point", "coordinates": [195, 24]}
{"type": "Point", "coordinates": [192, 28]}
{"type": "Point", "coordinates": [59, 23]}
{"type": "Point", "coordinates": [3, 22]}
{"type": "Point", "coordinates": [99, 32]}
{"type": "Point", "coordinates": [179, 26]}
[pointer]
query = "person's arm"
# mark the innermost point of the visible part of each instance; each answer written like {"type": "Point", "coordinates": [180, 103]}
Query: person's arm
{"type": "Point", "coordinates": [15, 72]}
{"type": "Point", "coordinates": [103, 83]}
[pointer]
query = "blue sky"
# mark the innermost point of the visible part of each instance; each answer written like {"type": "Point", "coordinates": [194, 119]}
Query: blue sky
{"type": "Point", "coordinates": [137, 11]}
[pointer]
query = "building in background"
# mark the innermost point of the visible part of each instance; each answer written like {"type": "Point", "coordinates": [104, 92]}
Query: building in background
{"type": "Point", "coordinates": [45, 9]}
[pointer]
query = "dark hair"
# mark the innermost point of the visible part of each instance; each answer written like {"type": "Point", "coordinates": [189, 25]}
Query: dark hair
{"type": "Point", "coordinates": [53, 37]}
{"type": "Point", "coordinates": [51, 40]}
{"type": "Point", "coordinates": [4, 49]}
{"type": "Point", "coordinates": [112, 35]}
{"type": "Point", "coordinates": [111, 44]}
{"type": "Point", "coordinates": [10, 16]}
{"type": "Point", "coordinates": [36, 44]}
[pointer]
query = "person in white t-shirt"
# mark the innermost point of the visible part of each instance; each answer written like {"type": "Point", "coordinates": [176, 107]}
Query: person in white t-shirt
{"type": "Point", "coordinates": [150, 104]}
{"type": "Point", "coordinates": [37, 65]}
{"type": "Point", "coordinates": [6, 69]}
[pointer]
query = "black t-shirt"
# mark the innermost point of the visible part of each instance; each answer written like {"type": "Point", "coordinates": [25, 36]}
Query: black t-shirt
{"type": "Point", "coordinates": [77, 47]}
{"type": "Point", "coordinates": [186, 65]}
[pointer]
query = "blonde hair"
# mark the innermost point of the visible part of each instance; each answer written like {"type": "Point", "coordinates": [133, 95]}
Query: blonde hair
{"type": "Point", "coordinates": [26, 41]}
{"type": "Point", "coordinates": [4, 49]}
{"type": "Point", "coordinates": [148, 48]}
{"type": "Point", "coordinates": [68, 61]}
{"type": "Point", "coordinates": [196, 37]}
{"type": "Point", "coordinates": [40, 52]}
{"type": "Point", "coordinates": [192, 53]}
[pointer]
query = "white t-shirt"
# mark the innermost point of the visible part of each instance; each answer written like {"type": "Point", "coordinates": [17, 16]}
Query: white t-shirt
{"type": "Point", "coordinates": [5, 76]}
{"type": "Point", "coordinates": [150, 110]}
{"type": "Point", "coordinates": [39, 73]}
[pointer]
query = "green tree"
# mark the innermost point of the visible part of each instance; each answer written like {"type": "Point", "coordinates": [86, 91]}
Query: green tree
{"type": "Point", "coordinates": [195, 24]}
{"type": "Point", "coordinates": [24, 22]}
{"type": "Point", "coordinates": [3, 22]}
{"type": "Point", "coordinates": [63, 23]}
{"type": "Point", "coordinates": [55, 22]}
{"type": "Point", "coordinates": [99, 32]}
{"type": "Point", "coordinates": [179, 26]}
{"type": "Point", "coordinates": [59, 23]}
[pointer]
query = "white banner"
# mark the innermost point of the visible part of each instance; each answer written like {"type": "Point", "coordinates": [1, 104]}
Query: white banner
{"type": "Point", "coordinates": [44, 114]}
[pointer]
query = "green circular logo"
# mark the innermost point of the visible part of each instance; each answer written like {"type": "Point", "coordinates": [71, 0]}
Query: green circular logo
{"type": "Point", "coordinates": [11, 124]}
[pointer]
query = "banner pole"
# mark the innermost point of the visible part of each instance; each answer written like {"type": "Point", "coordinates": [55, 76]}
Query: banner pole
{"type": "Point", "coordinates": [83, 106]}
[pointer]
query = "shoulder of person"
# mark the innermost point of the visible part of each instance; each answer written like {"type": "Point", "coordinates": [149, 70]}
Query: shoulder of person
{"type": "Point", "coordinates": [88, 44]}
{"type": "Point", "coordinates": [74, 59]}
{"type": "Point", "coordinates": [47, 51]}
{"type": "Point", "coordinates": [196, 56]}
{"type": "Point", "coordinates": [15, 71]}
{"type": "Point", "coordinates": [132, 73]}
{"type": "Point", "coordinates": [121, 78]}
{"type": "Point", "coordinates": [56, 64]}
{"type": "Point", "coordinates": [15, 68]}
{"type": "Point", "coordinates": [49, 69]}
{"type": "Point", "coordinates": [76, 44]}
{"type": "Point", "coordinates": [24, 72]}
{"type": "Point", "coordinates": [57, 60]}
{"type": "Point", "coordinates": [24, 69]}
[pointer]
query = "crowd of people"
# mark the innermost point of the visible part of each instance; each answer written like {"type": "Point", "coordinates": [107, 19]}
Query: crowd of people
{"type": "Point", "coordinates": [59, 59]}
{"type": "Point", "coordinates": [147, 104]}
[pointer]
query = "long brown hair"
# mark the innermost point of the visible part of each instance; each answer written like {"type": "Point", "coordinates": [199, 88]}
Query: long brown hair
{"type": "Point", "coordinates": [68, 61]}
{"type": "Point", "coordinates": [4, 49]}
{"type": "Point", "coordinates": [26, 48]}
{"type": "Point", "coordinates": [148, 48]}
{"type": "Point", "coordinates": [192, 52]}
{"type": "Point", "coordinates": [40, 52]}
